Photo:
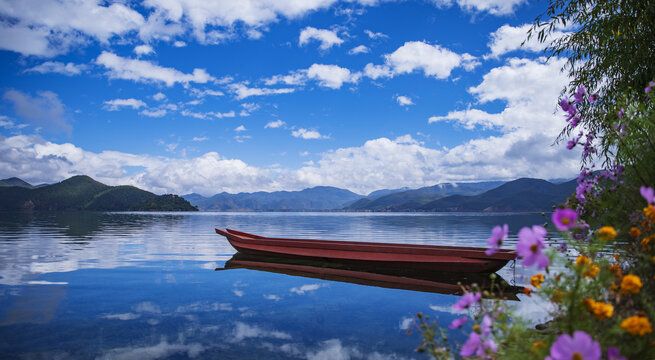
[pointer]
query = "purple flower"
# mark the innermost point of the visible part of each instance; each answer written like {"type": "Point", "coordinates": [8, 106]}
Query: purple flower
{"type": "Point", "coordinates": [531, 241]}
{"type": "Point", "coordinates": [579, 95]}
{"type": "Point", "coordinates": [471, 345]}
{"type": "Point", "coordinates": [562, 247]}
{"type": "Point", "coordinates": [498, 234]}
{"type": "Point", "coordinates": [571, 144]}
{"type": "Point", "coordinates": [614, 354]}
{"type": "Point", "coordinates": [564, 219]}
{"type": "Point", "coordinates": [457, 323]}
{"type": "Point", "coordinates": [467, 300]}
{"type": "Point", "coordinates": [648, 193]}
{"type": "Point", "coordinates": [580, 346]}
{"type": "Point", "coordinates": [621, 113]}
{"type": "Point", "coordinates": [593, 97]}
{"type": "Point", "coordinates": [485, 326]}
{"type": "Point", "coordinates": [565, 105]}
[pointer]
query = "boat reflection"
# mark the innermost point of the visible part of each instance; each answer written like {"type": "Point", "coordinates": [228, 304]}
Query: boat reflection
{"type": "Point", "coordinates": [391, 278]}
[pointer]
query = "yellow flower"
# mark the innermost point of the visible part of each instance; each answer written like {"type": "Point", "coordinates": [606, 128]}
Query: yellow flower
{"type": "Point", "coordinates": [557, 296]}
{"type": "Point", "coordinates": [616, 269]}
{"type": "Point", "coordinates": [649, 211]}
{"type": "Point", "coordinates": [582, 260]}
{"type": "Point", "coordinates": [589, 269]}
{"type": "Point", "coordinates": [537, 280]}
{"type": "Point", "coordinates": [606, 233]}
{"type": "Point", "coordinates": [630, 284]}
{"type": "Point", "coordinates": [635, 232]}
{"type": "Point", "coordinates": [645, 241]}
{"type": "Point", "coordinates": [637, 325]}
{"type": "Point", "coordinates": [592, 271]}
{"type": "Point", "coordinates": [538, 344]}
{"type": "Point", "coordinates": [601, 310]}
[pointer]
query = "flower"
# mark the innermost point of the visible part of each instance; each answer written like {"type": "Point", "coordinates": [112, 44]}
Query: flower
{"type": "Point", "coordinates": [606, 233]}
{"type": "Point", "coordinates": [616, 269]}
{"type": "Point", "coordinates": [580, 346]}
{"type": "Point", "coordinates": [648, 193]}
{"type": "Point", "coordinates": [538, 344]}
{"type": "Point", "coordinates": [564, 219]}
{"type": "Point", "coordinates": [531, 241]}
{"type": "Point", "coordinates": [649, 211]}
{"type": "Point", "coordinates": [537, 280]}
{"type": "Point", "coordinates": [579, 95]}
{"type": "Point", "coordinates": [589, 268]}
{"type": "Point", "coordinates": [485, 326]}
{"type": "Point", "coordinates": [631, 284]}
{"type": "Point", "coordinates": [600, 310]}
{"type": "Point", "coordinates": [467, 300]}
{"type": "Point", "coordinates": [471, 345]}
{"type": "Point", "coordinates": [498, 234]}
{"type": "Point", "coordinates": [457, 323]}
{"type": "Point", "coordinates": [635, 232]}
{"type": "Point", "coordinates": [474, 343]}
{"type": "Point", "coordinates": [637, 325]}
{"type": "Point", "coordinates": [527, 291]}
{"type": "Point", "coordinates": [614, 354]}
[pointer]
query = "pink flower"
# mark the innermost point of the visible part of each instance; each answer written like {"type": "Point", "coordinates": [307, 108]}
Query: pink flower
{"type": "Point", "coordinates": [648, 193]}
{"type": "Point", "coordinates": [531, 241]}
{"type": "Point", "coordinates": [457, 323]}
{"type": "Point", "coordinates": [564, 219]}
{"type": "Point", "coordinates": [614, 354]}
{"type": "Point", "coordinates": [498, 234]}
{"type": "Point", "coordinates": [472, 344]}
{"type": "Point", "coordinates": [580, 346]}
{"type": "Point", "coordinates": [467, 300]}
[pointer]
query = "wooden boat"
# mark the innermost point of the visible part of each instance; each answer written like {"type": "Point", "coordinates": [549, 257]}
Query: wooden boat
{"type": "Point", "coordinates": [428, 257]}
{"type": "Point", "coordinates": [390, 278]}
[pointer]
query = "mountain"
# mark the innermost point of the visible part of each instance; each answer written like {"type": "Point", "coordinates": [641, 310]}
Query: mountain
{"type": "Point", "coordinates": [83, 193]}
{"type": "Point", "coordinates": [14, 181]}
{"type": "Point", "coordinates": [319, 198]}
{"type": "Point", "coordinates": [519, 195]}
{"type": "Point", "coordinates": [410, 200]}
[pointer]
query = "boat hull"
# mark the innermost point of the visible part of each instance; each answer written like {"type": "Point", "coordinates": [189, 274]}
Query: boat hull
{"type": "Point", "coordinates": [427, 257]}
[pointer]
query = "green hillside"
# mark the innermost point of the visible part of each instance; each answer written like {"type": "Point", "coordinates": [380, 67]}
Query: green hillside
{"type": "Point", "coordinates": [83, 193]}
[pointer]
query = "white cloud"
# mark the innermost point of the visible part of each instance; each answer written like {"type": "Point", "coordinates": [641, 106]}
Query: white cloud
{"type": "Point", "coordinates": [494, 7]}
{"type": "Point", "coordinates": [361, 49]}
{"type": "Point", "coordinates": [333, 350]}
{"type": "Point", "coordinates": [144, 49]}
{"type": "Point", "coordinates": [332, 76]}
{"type": "Point", "coordinates": [163, 349]}
{"type": "Point", "coordinates": [198, 139]}
{"type": "Point", "coordinates": [157, 113]}
{"type": "Point", "coordinates": [327, 38]}
{"type": "Point", "coordinates": [193, 114]}
{"type": "Point", "coordinates": [240, 128]}
{"type": "Point", "coordinates": [375, 35]}
{"type": "Point", "coordinates": [377, 71]}
{"type": "Point", "coordinates": [242, 91]}
{"type": "Point", "coordinates": [308, 134]}
{"type": "Point", "coordinates": [293, 78]}
{"type": "Point", "coordinates": [159, 96]}
{"type": "Point", "coordinates": [44, 110]}
{"type": "Point", "coordinates": [433, 60]}
{"type": "Point", "coordinates": [509, 38]}
{"type": "Point", "coordinates": [245, 331]}
{"type": "Point", "coordinates": [179, 44]}
{"type": "Point", "coordinates": [27, 41]}
{"type": "Point", "coordinates": [68, 69]}
{"type": "Point", "coordinates": [274, 124]}
{"type": "Point", "coordinates": [203, 93]}
{"type": "Point", "coordinates": [145, 71]}
{"type": "Point", "coordinates": [115, 104]}
{"type": "Point", "coordinates": [404, 100]}
{"type": "Point", "coordinates": [220, 115]}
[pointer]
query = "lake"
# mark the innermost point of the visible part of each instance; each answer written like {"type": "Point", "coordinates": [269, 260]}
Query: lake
{"type": "Point", "coordinates": [144, 286]}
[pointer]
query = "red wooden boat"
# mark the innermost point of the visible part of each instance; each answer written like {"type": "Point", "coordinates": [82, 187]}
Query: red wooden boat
{"type": "Point", "coordinates": [429, 257]}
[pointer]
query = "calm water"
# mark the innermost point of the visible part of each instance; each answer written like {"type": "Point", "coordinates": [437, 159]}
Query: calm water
{"type": "Point", "coordinates": [143, 286]}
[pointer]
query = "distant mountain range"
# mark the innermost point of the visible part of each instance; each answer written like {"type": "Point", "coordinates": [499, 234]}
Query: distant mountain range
{"type": "Point", "coordinates": [320, 198]}
{"type": "Point", "coordinates": [84, 193]}
{"type": "Point", "coordinates": [522, 195]}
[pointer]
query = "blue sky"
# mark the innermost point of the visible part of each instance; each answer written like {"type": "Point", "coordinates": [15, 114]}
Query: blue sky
{"type": "Point", "coordinates": [184, 96]}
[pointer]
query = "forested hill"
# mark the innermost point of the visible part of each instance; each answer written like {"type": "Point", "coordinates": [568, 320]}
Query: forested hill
{"type": "Point", "coordinates": [83, 193]}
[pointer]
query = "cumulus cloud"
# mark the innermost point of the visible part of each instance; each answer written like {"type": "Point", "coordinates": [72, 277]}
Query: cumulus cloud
{"type": "Point", "coordinates": [404, 100]}
{"type": "Point", "coordinates": [159, 96]}
{"type": "Point", "coordinates": [244, 331]}
{"type": "Point", "coordinates": [433, 60]}
{"type": "Point", "coordinates": [44, 110]}
{"type": "Point", "coordinates": [116, 104]}
{"type": "Point", "coordinates": [146, 71]}
{"type": "Point", "coordinates": [494, 7]}
{"type": "Point", "coordinates": [375, 35]}
{"type": "Point", "coordinates": [361, 49]}
{"type": "Point", "coordinates": [274, 124]}
{"type": "Point", "coordinates": [145, 49]}
{"type": "Point", "coordinates": [332, 76]}
{"type": "Point", "coordinates": [509, 38]}
{"type": "Point", "coordinates": [305, 288]}
{"type": "Point", "coordinates": [293, 78]}
{"type": "Point", "coordinates": [179, 44]}
{"type": "Point", "coordinates": [308, 134]}
{"type": "Point", "coordinates": [68, 69]}
{"type": "Point", "coordinates": [327, 38]}
{"type": "Point", "coordinates": [242, 91]}
{"type": "Point", "coordinates": [157, 113]}
{"type": "Point", "coordinates": [240, 128]}
{"type": "Point", "coordinates": [163, 349]}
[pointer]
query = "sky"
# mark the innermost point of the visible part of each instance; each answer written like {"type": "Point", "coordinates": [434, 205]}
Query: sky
{"type": "Point", "coordinates": [183, 96]}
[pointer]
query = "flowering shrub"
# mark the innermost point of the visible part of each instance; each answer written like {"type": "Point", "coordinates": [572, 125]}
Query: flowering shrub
{"type": "Point", "coordinates": [603, 301]}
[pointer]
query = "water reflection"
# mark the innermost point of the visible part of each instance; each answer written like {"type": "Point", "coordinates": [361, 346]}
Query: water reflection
{"type": "Point", "coordinates": [143, 285]}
